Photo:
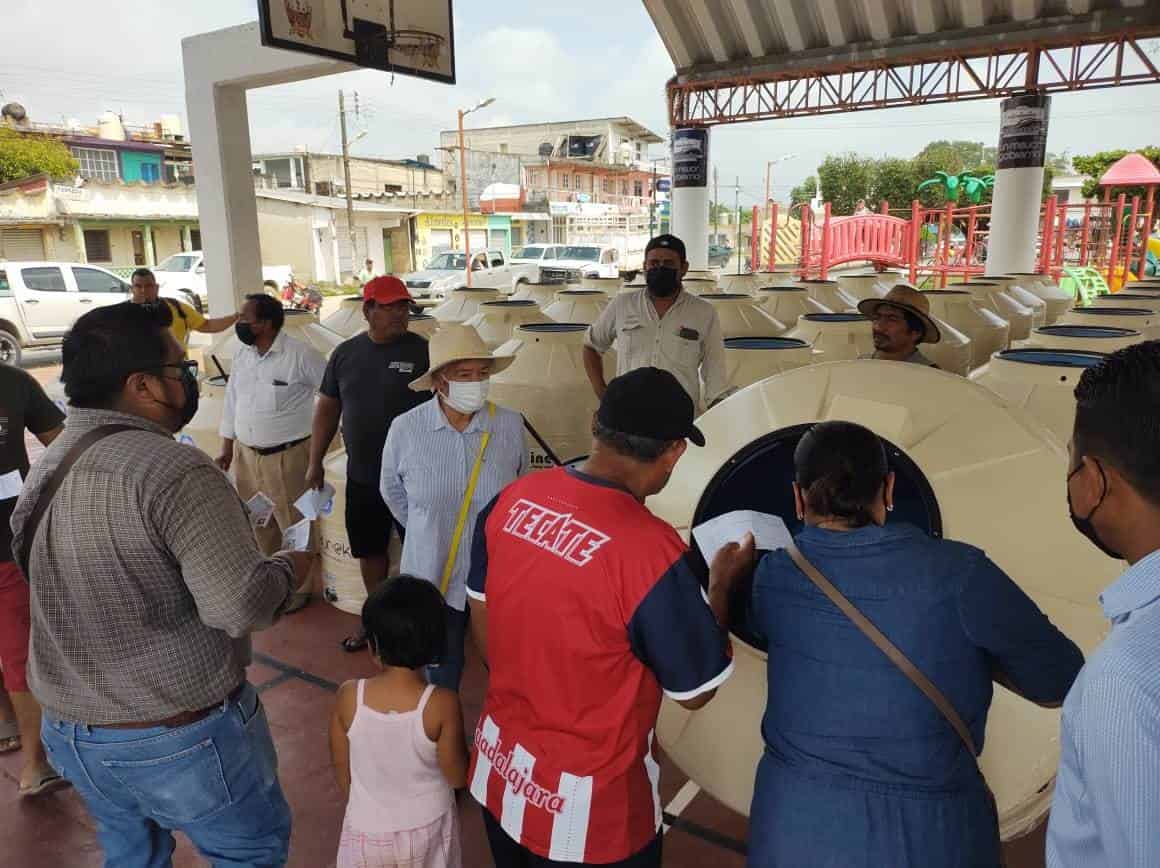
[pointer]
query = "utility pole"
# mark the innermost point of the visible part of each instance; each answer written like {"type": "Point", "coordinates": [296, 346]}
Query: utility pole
{"type": "Point", "coordinates": [346, 174]}
{"type": "Point", "coordinates": [737, 211]}
{"type": "Point", "coordinates": [652, 208]}
{"type": "Point", "coordinates": [716, 210]}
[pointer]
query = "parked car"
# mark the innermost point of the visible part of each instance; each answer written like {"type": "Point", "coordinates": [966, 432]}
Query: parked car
{"type": "Point", "coordinates": [535, 254]}
{"type": "Point", "coordinates": [448, 271]}
{"type": "Point", "coordinates": [182, 277]}
{"type": "Point", "coordinates": [719, 255]}
{"type": "Point", "coordinates": [583, 260]}
{"type": "Point", "coordinates": [39, 301]}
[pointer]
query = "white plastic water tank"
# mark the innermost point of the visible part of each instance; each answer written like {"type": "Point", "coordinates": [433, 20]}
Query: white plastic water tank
{"type": "Point", "coordinates": [1058, 300]}
{"type": "Point", "coordinates": [990, 295]}
{"type": "Point", "coordinates": [1041, 381]}
{"type": "Point", "coordinates": [577, 305]}
{"type": "Point", "coordinates": [497, 320]}
{"type": "Point", "coordinates": [834, 336]}
{"type": "Point", "coordinates": [748, 360]}
{"type": "Point", "coordinates": [787, 303]}
{"type": "Point", "coordinates": [987, 466]}
{"type": "Point", "coordinates": [1096, 339]}
{"type": "Point", "coordinates": [988, 332]}
{"type": "Point", "coordinates": [743, 283]}
{"type": "Point", "coordinates": [463, 303]}
{"type": "Point", "coordinates": [1128, 299]}
{"type": "Point", "coordinates": [865, 284]}
{"type": "Point", "coordinates": [542, 294]}
{"type": "Point", "coordinates": [742, 317]}
{"type": "Point", "coordinates": [1139, 319]}
{"type": "Point", "coordinates": [1012, 286]}
{"type": "Point", "coordinates": [953, 353]}
{"type": "Point", "coordinates": [828, 293]}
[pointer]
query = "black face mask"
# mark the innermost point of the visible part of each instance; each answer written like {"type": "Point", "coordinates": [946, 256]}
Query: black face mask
{"type": "Point", "coordinates": [245, 333]}
{"type": "Point", "coordinates": [1085, 525]}
{"type": "Point", "coordinates": [662, 282]}
{"type": "Point", "coordinates": [188, 410]}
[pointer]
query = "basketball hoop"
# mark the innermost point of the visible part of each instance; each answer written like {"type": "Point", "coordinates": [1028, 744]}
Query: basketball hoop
{"type": "Point", "coordinates": [420, 47]}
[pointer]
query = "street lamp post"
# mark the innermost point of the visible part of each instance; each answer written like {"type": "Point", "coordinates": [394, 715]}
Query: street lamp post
{"type": "Point", "coordinates": [463, 182]}
{"type": "Point", "coordinates": [768, 180]}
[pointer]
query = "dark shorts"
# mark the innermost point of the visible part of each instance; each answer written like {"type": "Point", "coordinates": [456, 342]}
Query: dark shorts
{"type": "Point", "coordinates": [368, 521]}
{"type": "Point", "coordinates": [15, 624]}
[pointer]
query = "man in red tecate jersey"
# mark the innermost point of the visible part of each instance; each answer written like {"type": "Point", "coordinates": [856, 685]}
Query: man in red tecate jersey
{"type": "Point", "coordinates": [587, 607]}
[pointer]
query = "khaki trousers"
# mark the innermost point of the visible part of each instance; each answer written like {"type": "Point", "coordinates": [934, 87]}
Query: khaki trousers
{"type": "Point", "coordinates": [282, 478]}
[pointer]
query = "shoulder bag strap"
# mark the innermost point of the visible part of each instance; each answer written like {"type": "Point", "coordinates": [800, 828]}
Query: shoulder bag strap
{"type": "Point", "coordinates": [32, 525]}
{"type": "Point", "coordinates": [465, 507]}
{"type": "Point", "coordinates": [885, 646]}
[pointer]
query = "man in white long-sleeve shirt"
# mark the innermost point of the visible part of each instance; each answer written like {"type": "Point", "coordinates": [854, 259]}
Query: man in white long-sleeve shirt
{"type": "Point", "coordinates": [267, 419]}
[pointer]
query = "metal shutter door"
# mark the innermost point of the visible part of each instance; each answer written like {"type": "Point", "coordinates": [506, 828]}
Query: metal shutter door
{"type": "Point", "coordinates": [22, 244]}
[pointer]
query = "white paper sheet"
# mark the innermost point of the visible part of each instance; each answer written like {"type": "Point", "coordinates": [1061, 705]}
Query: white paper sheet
{"type": "Point", "coordinates": [11, 484]}
{"type": "Point", "coordinates": [315, 502]}
{"type": "Point", "coordinates": [297, 536]}
{"type": "Point", "coordinates": [769, 531]}
{"type": "Point", "coordinates": [260, 508]}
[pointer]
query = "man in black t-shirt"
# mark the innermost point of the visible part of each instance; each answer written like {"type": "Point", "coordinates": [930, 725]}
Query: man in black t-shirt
{"type": "Point", "coordinates": [365, 385]}
{"type": "Point", "coordinates": [23, 406]}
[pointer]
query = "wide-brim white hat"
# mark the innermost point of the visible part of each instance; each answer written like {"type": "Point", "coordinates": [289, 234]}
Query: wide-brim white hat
{"type": "Point", "coordinates": [455, 342]}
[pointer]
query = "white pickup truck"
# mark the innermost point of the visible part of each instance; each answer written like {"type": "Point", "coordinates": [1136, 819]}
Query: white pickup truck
{"type": "Point", "coordinates": [39, 301]}
{"type": "Point", "coordinates": [585, 260]}
{"type": "Point", "coordinates": [182, 276]}
{"type": "Point", "coordinates": [448, 271]}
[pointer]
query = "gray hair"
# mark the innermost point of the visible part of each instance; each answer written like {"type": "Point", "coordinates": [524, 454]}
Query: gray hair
{"type": "Point", "coordinates": [643, 449]}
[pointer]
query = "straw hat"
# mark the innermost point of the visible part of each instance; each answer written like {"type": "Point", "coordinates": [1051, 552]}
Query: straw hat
{"type": "Point", "coordinates": [455, 342]}
{"type": "Point", "coordinates": [912, 301]}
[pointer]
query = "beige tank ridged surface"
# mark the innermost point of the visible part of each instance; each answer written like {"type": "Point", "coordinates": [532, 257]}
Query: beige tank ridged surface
{"type": "Point", "coordinates": [1012, 287]}
{"type": "Point", "coordinates": [497, 320]}
{"type": "Point", "coordinates": [834, 336]}
{"type": "Point", "coordinates": [1058, 300]}
{"type": "Point", "coordinates": [342, 584]}
{"type": "Point", "coordinates": [577, 305]}
{"type": "Point", "coordinates": [1128, 299]}
{"type": "Point", "coordinates": [299, 323]}
{"type": "Point", "coordinates": [348, 320]}
{"type": "Point", "coordinates": [748, 360]}
{"type": "Point", "coordinates": [828, 293]}
{"type": "Point", "coordinates": [423, 324]}
{"type": "Point", "coordinates": [953, 353]}
{"type": "Point", "coordinates": [1041, 381]}
{"type": "Point", "coordinates": [1095, 339]}
{"type": "Point", "coordinates": [700, 287]}
{"type": "Point", "coordinates": [863, 285]}
{"type": "Point", "coordinates": [609, 285]}
{"type": "Point", "coordinates": [988, 332]}
{"type": "Point", "coordinates": [786, 303]}
{"type": "Point", "coordinates": [701, 274]}
{"type": "Point", "coordinates": [462, 304]}
{"type": "Point", "coordinates": [990, 295]}
{"type": "Point", "coordinates": [202, 430]}
{"type": "Point", "coordinates": [548, 384]}
{"type": "Point", "coordinates": [1138, 319]}
{"type": "Point", "coordinates": [742, 283]}
{"type": "Point", "coordinates": [742, 317]}
{"type": "Point", "coordinates": [991, 467]}
{"type": "Point", "coordinates": [542, 294]}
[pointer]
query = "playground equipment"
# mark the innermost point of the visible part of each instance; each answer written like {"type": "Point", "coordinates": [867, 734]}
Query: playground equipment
{"type": "Point", "coordinates": [748, 360]}
{"type": "Point", "coordinates": [496, 321]}
{"type": "Point", "coordinates": [954, 186]}
{"type": "Point", "coordinates": [834, 336]}
{"type": "Point", "coordinates": [577, 305]}
{"type": "Point", "coordinates": [1095, 339]}
{"type": "Point", "coordinates": [987, 331]}
{"type": "Point", "coordinates": [741, 316]}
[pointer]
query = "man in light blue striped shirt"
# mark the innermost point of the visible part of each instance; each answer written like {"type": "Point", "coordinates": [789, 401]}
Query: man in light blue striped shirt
{"type": "Point", "coordinates": [1106, 812]}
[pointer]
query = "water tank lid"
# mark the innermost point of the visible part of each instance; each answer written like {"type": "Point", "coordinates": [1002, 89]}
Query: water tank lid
{"type": "Point", "coordinates": [781, 289]}
{"type": "Point", "coordinates": [474, 289]}
{"type": "Point", "coordinates": [1113, 311]}
{"type": "Point", "coordinates": [1135, 296]}
{"type": "Point", "coordinates": [945, 292]}
{"type": "Point", "coordinates": [979, 283]}
{"type": "Point", "coordinates": [835, 317]}
{"type": "Point", "coordinates": [718, 296]}
{"type": "Point", "coordinates": [1054, 358]}
{"type": "Point", "coordinates": [765, 344]}
{"type": "Point", "coordinates": [420, 317]}
{"type": "Point", "coordinates": [1074, 331]}
{"type": "Point", "coordinates": [554, 327]}
{"type": "Point", "coordinates": [509, 302]}
{"type": "Point", "coordinates": [581, 292]}
{"type": "Point", "coordinates": [821, 282]}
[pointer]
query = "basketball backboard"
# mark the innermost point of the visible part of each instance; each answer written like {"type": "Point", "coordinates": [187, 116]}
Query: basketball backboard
{"type": "Point", "coordinates": [410, 37]}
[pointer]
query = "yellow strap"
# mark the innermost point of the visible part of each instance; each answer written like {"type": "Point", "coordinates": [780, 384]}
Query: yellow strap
{"type": "Point", "coordinates": [465, 507]}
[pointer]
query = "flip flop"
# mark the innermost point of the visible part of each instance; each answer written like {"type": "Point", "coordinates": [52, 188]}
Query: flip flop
{"type": "Point", "coordinates": [49, 783]}
{"type": "Point", "coordinates": [354, 643]}
{"type": "Point", "coordinates": [9, 736]}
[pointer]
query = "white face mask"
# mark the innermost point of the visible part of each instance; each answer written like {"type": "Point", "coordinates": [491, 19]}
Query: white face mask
{"type": "Point", "coordinates": [466, 397]}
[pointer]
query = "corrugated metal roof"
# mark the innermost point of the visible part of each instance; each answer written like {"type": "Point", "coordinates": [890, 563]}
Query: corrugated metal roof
{"type": "Point", "coordinates": [708, 38]}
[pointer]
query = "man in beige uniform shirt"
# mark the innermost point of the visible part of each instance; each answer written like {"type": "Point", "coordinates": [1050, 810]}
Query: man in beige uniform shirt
{"type": "Point", "coordinates": [662, 326]}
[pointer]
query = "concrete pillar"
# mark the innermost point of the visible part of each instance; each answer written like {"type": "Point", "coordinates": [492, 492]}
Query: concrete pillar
{"type": "Point", "coordinates": [150, 253]}
{"type": "Point", "coordinates": [186, 238]}
{"type": "Point", "coordinates": [79, 242]}
{"type": "Point", "coordinates": [1018, 184]}
{"type": "Point", "coordinates": [690, 194]}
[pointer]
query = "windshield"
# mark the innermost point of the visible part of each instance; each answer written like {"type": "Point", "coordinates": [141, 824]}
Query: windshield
{"type": "Point", "coordinates": [448, 262]}
{"type": "Point", "coordinates": [584, 254]}
{"type": "Point", "coordinates": [178, 262]}
{"type": "Point", "coordinates": [527, 253]}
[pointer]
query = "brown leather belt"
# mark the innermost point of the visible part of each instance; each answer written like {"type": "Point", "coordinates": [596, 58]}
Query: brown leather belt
{"type": "Point", "coordinates": [182, 718]}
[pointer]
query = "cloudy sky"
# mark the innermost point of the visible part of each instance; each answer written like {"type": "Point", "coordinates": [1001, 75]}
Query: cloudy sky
{"type": "Point", "coordinates": [540, 60]}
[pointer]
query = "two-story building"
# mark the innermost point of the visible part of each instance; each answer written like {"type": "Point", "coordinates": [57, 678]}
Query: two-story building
{"type": "Point", "coordinates": [322, 174]}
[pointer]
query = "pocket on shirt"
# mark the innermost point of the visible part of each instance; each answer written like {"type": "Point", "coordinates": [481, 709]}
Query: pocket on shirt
{"type": "Point", "coordinates": [183, 787]}
{"type": "Point", "coordinates": [683, 351]}
{"type": "Point", "coordinates": [266, 398]}
{"type": "Point", "coordinates": [630, 339]}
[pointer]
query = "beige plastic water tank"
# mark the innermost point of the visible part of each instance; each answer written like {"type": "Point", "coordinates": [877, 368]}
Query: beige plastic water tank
{"type": "Point", "coordinates": [953, 353]}
{"type": "Point", "coordinates": [609, 285]}
{"type": "Point", "coordinates": [742, 283]}
{"type": "Point", "coordinates": [1058, 300]}
{"type": "Point", "coordinates": [577, 305]}
{"type": "Point", "coordinates": [1096, 339]}
{"type": "Point", "coordinates": [1128, 299]}
{"type": "Point", "coordinates": [828, 293]}
{"type": "Point", "coordinates": [1138, 319]}
{"type": "Point", "coordinates": [834, 336]}
{"type": "Point", "coordinates": [542, 294]}
{"type": "Point", "coordinates": [990, 467]}
{"type": "Point", "coordinates": [1041, 381]}
{"type": "Point", "coordinates": [742, 317]}
{"type": "Point", "coordinates": [748, 360]}
{"type": "Point", "coordinates": [548, 384]}
{"type": "Point", "coordinates": [497, 320]}
{"type": "Point", "coordinates": [298, 323]}
{"type": "Point", "coordinates": [702, 274]}
{"type": "Point", "coordinates": [990, 295]}
{"type": "Point", "coordinates": [463, 303]}
{"type": "Point", "coordinates": [787, 303]}
{"type": "Point", "coordinates": [348, 319]}
{"type": "Point", "coordinates": [1013, 287]}
{"type": "Point", "coordinates": [699, 286]}
{"type": "Point", "coordinates": [864, 284]}
{"type": "Point", "coordinates": [988, 332]}
{"type": "Point", "coordinates": [423, 324]}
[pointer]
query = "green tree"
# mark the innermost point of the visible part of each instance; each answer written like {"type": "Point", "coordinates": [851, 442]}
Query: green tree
{"type": "Point", "coordinates": [24, 155]}
{"type": "Point", "coordinates": [894, 182]}
{"type": "Point", "coordinates": [1094, 166]}
{"type": "Point", "coordinates": [845, 179]}
{"type": "Point", "coordinates": [804, 191]}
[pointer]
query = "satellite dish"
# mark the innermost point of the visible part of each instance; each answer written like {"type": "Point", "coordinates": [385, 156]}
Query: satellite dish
{"type": "Point", "coordinates": [546, 149]}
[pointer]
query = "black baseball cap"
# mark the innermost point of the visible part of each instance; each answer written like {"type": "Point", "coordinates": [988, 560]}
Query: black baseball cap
{"type": "Point", "coordinates": [669, 242]}
{"type": "Point", "coordinates": [649, 402]}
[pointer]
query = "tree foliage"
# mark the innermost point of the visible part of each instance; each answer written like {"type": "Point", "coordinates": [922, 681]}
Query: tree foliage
{"type": "Point", "coordinates": [22, 156]}
{"type": "Point", "coordinates": [1094, 166]}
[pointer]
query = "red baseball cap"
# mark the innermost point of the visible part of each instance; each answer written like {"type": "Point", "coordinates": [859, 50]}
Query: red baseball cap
{"type": "Point", "coordinates": [386, 290]}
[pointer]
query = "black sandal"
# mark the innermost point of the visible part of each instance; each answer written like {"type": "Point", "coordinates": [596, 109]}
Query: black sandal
{"type": "Point", "coordinates": [354, 643]}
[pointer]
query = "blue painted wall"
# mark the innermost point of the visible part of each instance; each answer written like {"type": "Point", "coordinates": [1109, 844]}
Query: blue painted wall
{"type": "Point", "coordinates": [139, 166]}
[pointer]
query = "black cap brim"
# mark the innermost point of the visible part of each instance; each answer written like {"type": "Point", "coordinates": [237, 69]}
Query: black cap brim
{"type": "Point", "coordinates": [695, 435]}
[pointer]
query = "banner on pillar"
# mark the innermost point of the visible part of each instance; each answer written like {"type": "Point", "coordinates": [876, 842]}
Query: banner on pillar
{"type": "Point", "coordinates": [691, 158]}
{"type": "Point", "coordinates": [1023, 132]}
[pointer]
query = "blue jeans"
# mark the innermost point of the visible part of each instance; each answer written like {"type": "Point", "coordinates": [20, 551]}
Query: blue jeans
{"type": "Point", "coordinates": [216, 780]}
{"type": "Point", "coordinates": [450, 670]}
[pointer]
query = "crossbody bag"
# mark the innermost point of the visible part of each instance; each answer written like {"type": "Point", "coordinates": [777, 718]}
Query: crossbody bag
{"type": "Point", "coordinates": [465, 507]}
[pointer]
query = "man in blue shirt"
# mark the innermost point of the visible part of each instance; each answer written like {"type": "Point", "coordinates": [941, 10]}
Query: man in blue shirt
{"type": "Point", "coordinates": [1106, 812]}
